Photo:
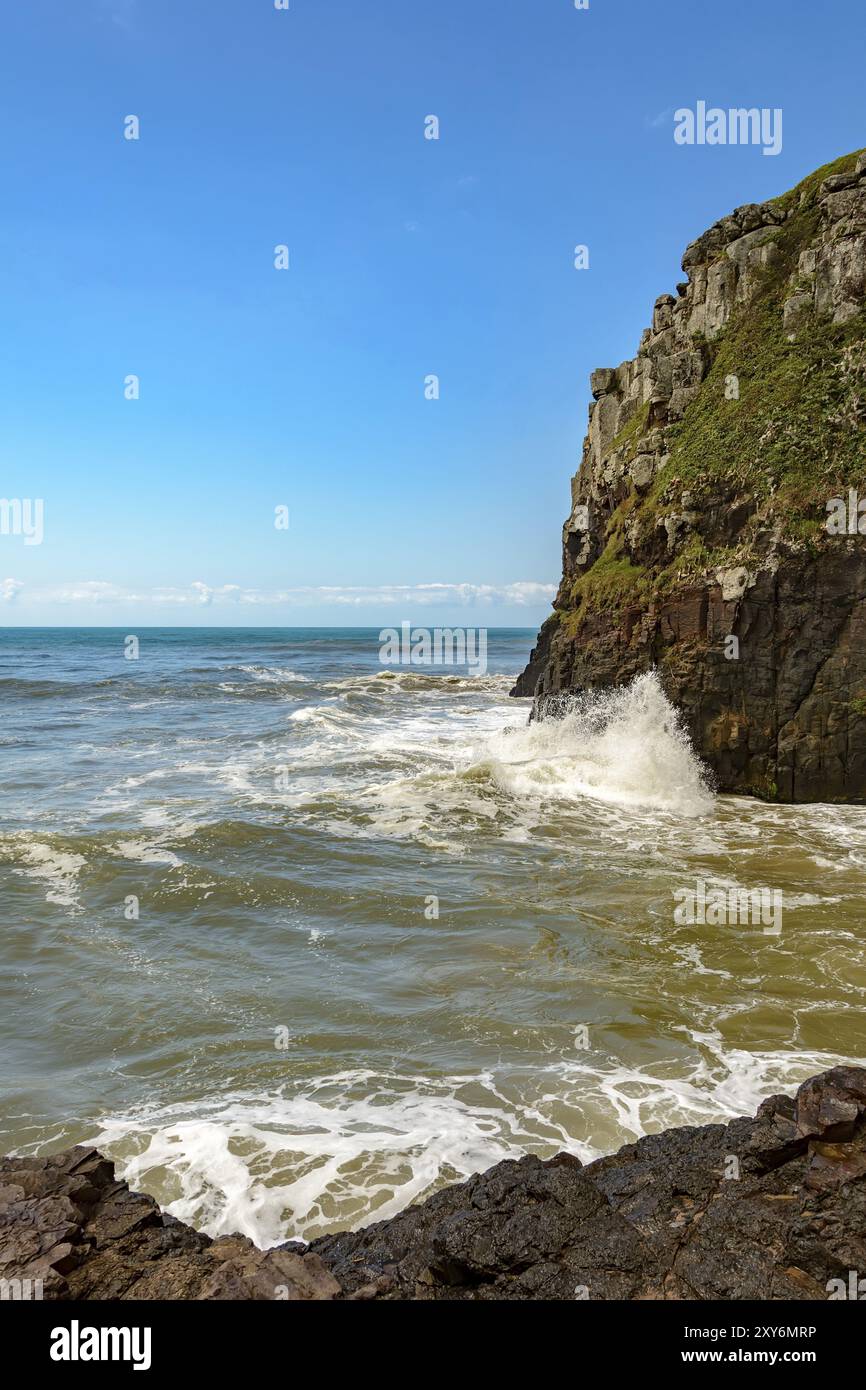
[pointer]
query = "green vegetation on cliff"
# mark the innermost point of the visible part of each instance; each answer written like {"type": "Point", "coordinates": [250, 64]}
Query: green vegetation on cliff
{"type": "Point", "coordinates": [798, 430]}
{"type": "Point", "coordinates": [794, 435]}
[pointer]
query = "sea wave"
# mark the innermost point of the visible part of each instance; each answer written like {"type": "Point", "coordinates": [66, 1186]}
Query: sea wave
{"type": "Point", "coordinates": [626, 746]}
{"type": "Point", "coordinates": [351, 1147]}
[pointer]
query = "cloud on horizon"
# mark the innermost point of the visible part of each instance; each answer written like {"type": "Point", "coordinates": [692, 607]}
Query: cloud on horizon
{"type": "Point", "coordinates": [521, 594]}
{"type": "Point", "coordinates": [9, 589]}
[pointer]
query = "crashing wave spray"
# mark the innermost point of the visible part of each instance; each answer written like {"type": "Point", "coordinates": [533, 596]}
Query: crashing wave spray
{"type": "Point", "coordinates": [625, 746]}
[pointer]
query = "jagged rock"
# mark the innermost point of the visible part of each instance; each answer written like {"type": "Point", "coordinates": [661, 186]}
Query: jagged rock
{"type": "Point", "coordinates": [837, 182]}
{"type": "Point", "coordinates": [66, 1221]}
{"type": "Point", "coordinates": [768, 1208]}
{"type": "Point", "coordinates": [719, 1212]}
{"type": "Point", "coordinates": [733, 582]}
{"type": "Point", "coordinates": [602, 381]}
{"type": "Point", "coordinates": [752, 382]}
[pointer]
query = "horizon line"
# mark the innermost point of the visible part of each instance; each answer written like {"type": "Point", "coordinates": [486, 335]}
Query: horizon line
{"type": "Point", "coordinates": [237, 627]}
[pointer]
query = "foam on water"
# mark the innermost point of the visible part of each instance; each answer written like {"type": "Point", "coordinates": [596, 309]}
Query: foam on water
{"type": "Point", "coordinates": [55, 868]}
{"type": "Point", "coordinates": [358, 1146]}
{"type": "Point", "coordinates": [624, 746]}
{"type": "Point", "coordinates": [398, 769]}
{"type": "Point", "coordinates": [337, 1152]}
{"type": "Point", "coordinates": [272, 675]}
{"type": "Point", "coordinates": [554, 848]}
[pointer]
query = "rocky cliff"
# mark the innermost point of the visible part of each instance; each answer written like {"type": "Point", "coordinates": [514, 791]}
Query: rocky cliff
{"type": "Point", "coordinates": [767, 1208]}
{"type": "Point", "coordinates": [704, 539]}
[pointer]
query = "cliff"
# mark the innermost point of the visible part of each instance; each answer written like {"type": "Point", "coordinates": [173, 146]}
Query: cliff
{"type": "Point", "coordinates": [704, 540]}
{"type": "Point", "coordinates": [767, 1208]}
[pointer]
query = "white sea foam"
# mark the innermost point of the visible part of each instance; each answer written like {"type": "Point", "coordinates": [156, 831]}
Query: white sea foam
{"type": "Point", "coordinates": [425, 771]}
{"type": "Point", "coordinates": [272, 675]}
{"type": "Point", "coordinates": [406, 681]}
{"type": "Point", "coordinates": [623, 746]}
{"type": "Point", "coordinates": [140, 852]}
{"type": "Point", "coordinates": [57, 870]}
{"type": "Point", "coordinates": [331, 1153]}
{"type": "Point", "coordinates": [357, 1146]}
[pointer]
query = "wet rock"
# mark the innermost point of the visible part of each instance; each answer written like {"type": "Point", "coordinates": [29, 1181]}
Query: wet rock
{"type": "Point", "coordinates": [65, 1220]}
{"type": "Point", "coordinates": [772, 1207]}
{"type": "Point", "coordinates": [723, 1211]}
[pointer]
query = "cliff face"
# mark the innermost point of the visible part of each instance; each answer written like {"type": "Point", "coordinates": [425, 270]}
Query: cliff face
{"type": "Point", "coordinates": [768, 1208]}
{"type": "Point", "coordinates": [700, 541]}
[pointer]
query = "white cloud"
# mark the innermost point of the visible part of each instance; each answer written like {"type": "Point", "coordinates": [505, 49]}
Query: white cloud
{"type": "Point", "coordinates": [119, 12]}
{"type": "Point", "coordinates": [521, 594]}
{"type": "Point", "coordinates": [85, 591]}
{"type": "Point", "coordinates": [654, 122]}
{"type": "Point", "coordinates": [9, 588]}
{"type": "Point", "coordinates": [206, 594]}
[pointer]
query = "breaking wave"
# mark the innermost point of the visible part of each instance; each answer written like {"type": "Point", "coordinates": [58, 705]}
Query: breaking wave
{"type": "Point", "coordinates": [625, 746]}
{"type": "Point", "coordinates": [358, 1146]}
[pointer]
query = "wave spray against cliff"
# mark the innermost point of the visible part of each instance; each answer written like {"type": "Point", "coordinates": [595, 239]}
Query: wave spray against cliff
{"type": "Point", "coordinates": [623, 746]}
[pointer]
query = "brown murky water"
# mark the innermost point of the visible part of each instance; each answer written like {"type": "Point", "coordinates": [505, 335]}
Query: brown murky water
{"type": "Point", "coordinates": [386, 933]}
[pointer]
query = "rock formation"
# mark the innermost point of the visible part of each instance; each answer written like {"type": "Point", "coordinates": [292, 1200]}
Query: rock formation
{"type": "Point", "coordinates": [67, 1222]}
{"type": "Point", "coordinates": [767, 1208]}
{"type": "Point", "coordinates": [704, 540]}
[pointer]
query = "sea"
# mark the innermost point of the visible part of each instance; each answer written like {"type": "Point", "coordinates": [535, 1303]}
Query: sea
{"type": "Point", "coordinates": [297, 937]}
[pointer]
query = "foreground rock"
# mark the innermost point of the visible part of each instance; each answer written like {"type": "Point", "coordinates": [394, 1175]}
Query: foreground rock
{"type": "Point", "coordinates": [65, 1220]}
{"type": "Point", "coordinates": [718, 524]}
{"type": "Point", "coordinates": [659, 1219]}
{"type": "Point", "coordinates": [766, 1208]}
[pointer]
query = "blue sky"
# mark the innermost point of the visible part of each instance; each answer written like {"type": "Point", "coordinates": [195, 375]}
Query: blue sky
{"type": "Point", "coordinates": [408, 257]}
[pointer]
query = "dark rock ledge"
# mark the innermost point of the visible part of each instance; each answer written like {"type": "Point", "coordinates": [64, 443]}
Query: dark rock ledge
{"type": "Point", "coordinates": [665, 1218]}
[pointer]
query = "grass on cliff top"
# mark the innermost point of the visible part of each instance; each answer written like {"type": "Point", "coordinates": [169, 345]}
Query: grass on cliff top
{"type": "Point", "coordinates": [797, 433]}
{"type": "Point", "coordinates": [812, 182]}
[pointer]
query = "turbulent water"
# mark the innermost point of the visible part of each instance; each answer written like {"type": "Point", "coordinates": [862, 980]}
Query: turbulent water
{"type": "Point", "coordinates": [387, 932]}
